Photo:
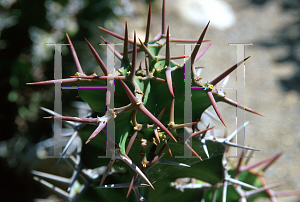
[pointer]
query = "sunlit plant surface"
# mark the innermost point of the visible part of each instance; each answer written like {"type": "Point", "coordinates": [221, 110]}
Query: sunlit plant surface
{"type": "Point", "coordinates": [145, 103]}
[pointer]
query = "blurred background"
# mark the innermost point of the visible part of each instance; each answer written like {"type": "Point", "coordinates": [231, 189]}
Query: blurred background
{"type": "Point", "coordinates": [272, 84]}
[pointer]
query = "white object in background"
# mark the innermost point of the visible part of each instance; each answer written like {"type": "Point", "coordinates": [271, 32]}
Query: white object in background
{"type": "Point", "coordinates": [199, 12]}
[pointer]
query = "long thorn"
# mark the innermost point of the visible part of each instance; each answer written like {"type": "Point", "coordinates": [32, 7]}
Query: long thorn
{"type": "Point", "coordinates": [156, 135]}
{"type": "Point", "coordinates": [135, 168]}
{"type": "Point", "coordinates": [134, 54]}
{"type": "Point", "coordinates": [193, 151]}
{"type": "Point", "coordinates": [272, 160]}
{"type": "Point", "coordinates": [157, 37]}
{"type": "Point", "coordinates": [52, 187]}
{"type": "Point", "coordinates": [117, 54]}
{"type": "Point", "coordinates": [131, 184]}
{"type": "Point", "coordinates": [199, 42]}
{"type": "Point", "coordinates": [111, 162]}
{"type": "Point", "coordinates": [162, 112]}
{"type": "Point", "coordinates": [227, 72]}
{"type": "Point", "coordinates": [100, 77]}
{"type": "Point", "coordinates": [241, 183]}
{"type": "Point", "coordinates": [224, 195]}
{"type": "Point", "coordinates": [75, 119]}
{"type": "Point", "coordinates": [167, 64]}
{"type": "Point", "coordinates": [147, 67]}
{"type": "Point", "coordinates": [125, 50]}
{"type": "Point", "coordinates": [169, 80]}
{"type": "Point", "coordinates": [197, 57]}
{"type": "Point", "coordinates": [131, 142]}
{"type": "Point", "coordinates": [102, 124]}
{"type": "Point", "coordinates": [69, 80]}
{"type": "Point", "coordinates": [146, 50]}
{"type": "Point", "coordinates": [172, 57]}
{"type": "Point", "coordinates": [130, 95]}
{"type": "Point", "coordinates": [287, 193]}
{"type": "Point", "coordinates": [116, 35]}
{"type": "Point", "coordinates": [98, 59]}
{"type": "Point", "coordinates": [77, 63]}
{"type": "Point", "coordinates": [167, 61]}
{"type": "Point", "coordinates": [239, 146]}
{"type": "Point", "coordinates": [74, 135]}
{"type": "Point", "coordinates": [235, 104]}
{"type": "Point", "coordinates": [145, 111]}
{"type": "Point", "coordinates": [211, 115]}
{"type": "Point", "coordinates": [269, 161]}
{"type": "Point", "coordinates": [148, 25]}
{"type": "Point", "coordinates": [204, 147]}
{"type": "Point", "coordinates": [169, 149]}
{"type": "Point", "coordinates": [200, 132]}
{"type": "Point", "coordinates": [188, 40]}
{"type": "Point", "coordinates": [234, 133]}
{"type": "Point", "coordinates": [215, 106]}
{"type": "Point", "coordinates": [177, 126]}
{"type": "Point", "coordinates": [262, 189]}
{"type": "Point", "coordinates": [224, 83]}
{"type": "Point", "coordinates": [51, 177]}
{"type": "Point", "coordinates": [70, 123]}
{"type": "Point", "coordinates": [214, 195]}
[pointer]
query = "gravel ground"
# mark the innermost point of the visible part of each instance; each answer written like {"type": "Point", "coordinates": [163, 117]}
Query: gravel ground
{"type": "Point", "coordinates": [243, 22]}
